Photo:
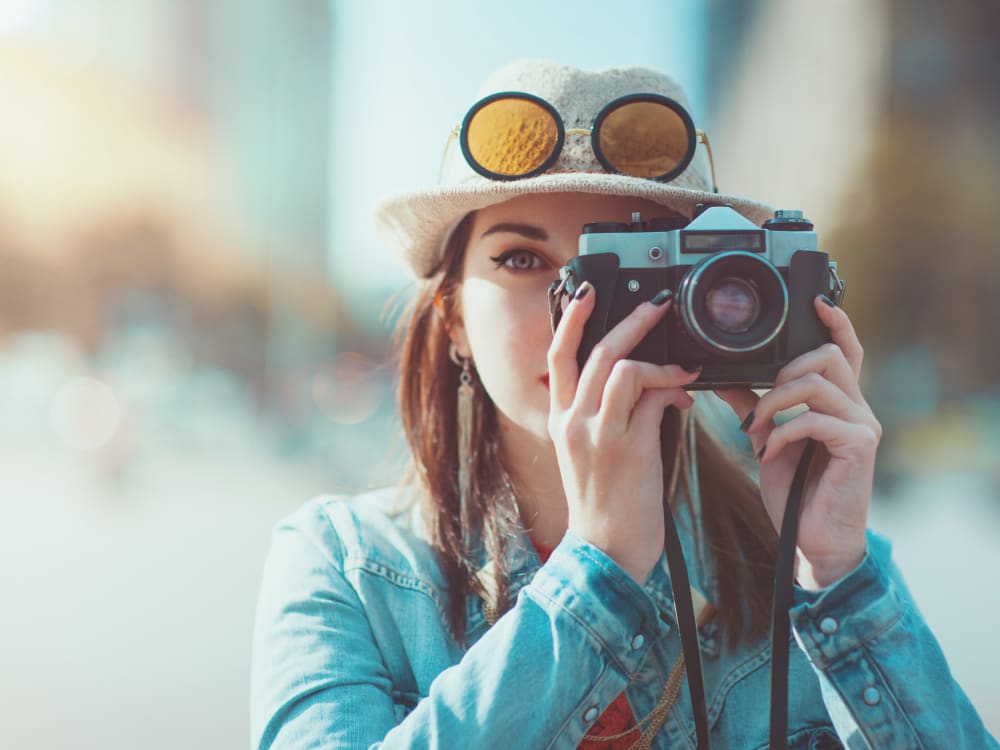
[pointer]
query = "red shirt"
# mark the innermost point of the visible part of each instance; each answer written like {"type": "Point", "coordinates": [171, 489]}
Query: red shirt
{"type": "Point", "coordinates": [617, 717]}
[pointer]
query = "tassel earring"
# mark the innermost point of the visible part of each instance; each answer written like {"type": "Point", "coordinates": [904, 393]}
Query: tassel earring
{"type": "Point", "coordinates": [464, 424]}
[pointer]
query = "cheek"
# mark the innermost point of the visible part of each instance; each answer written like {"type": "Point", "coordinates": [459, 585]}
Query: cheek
{"type": "Point", "coordinates": [506, 328]}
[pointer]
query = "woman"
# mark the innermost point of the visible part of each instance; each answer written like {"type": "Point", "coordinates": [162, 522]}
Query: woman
{"type": "Point", "coordinates": [514, 592]}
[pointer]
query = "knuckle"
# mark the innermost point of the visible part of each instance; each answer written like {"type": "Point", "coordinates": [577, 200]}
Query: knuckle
{"type": "Point", "coordinates": [557, 427]}
{"type": "Point", "coordinates": [830, 350]}
{"type": "Point", "coordinates": [602, 357]}
{"type": "Point", "coordinates": [813, 381]}
{"type": "Point", "coordinates": [571, 430]}
{"type": "Point", "coordinates": [870, 438]}
{"type": "Point", "coordinates": [558, 352]}
{"type": "Point", "coordinates": [576, 432]}
{"type": "Point", "coordinates": [625, 370]}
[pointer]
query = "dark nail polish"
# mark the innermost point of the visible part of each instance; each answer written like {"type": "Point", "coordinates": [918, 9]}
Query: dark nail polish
{"type": "Point", "coordinates": [582, 292]}
{"type": "Point", "coordinates": [662, 298]}
{"type": "Point", "coordinates": [761, 452]}
{"type": "Point", "coordinates": [691, 368]}
{"type": "Point", "coordinates": [745, 424]}
{"type": "Point", "coordinates": [827, 301]}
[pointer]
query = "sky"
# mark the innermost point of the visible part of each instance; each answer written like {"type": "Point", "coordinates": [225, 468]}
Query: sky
{"type": "Point", "coordinates": [405, 73]}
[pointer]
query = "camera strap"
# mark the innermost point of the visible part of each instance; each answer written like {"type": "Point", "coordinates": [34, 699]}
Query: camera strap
{"type": "Point", "coordinates": [784, 582]}
{"type": "Point", "coordinates": [784, 587]}
{"type": "Point", "coordinates": [687, 625]}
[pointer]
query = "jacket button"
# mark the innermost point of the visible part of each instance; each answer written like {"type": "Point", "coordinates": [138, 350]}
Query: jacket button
{"type": "Point", "coordinates": [829, 625]}
{"type": "Point", "coordinates": [871, 696]}
{"type": "Point", "coordinates": [590, 714]}
{"type": "Point", "coordinates": [637, 641]}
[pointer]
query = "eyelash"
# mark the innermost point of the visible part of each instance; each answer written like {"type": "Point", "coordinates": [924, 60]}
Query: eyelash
{"type": "Point", "coordinates": [503, 259]}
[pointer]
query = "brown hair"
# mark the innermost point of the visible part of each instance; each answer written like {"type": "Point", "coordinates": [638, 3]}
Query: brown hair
{"type": "Point", "coordinates": [738, 534]}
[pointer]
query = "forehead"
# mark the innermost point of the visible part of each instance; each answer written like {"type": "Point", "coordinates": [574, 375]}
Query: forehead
{"type": "Point", "coordinates": [560, 212]}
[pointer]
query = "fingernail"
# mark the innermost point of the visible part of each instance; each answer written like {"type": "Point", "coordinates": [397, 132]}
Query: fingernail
{"type": "Point", "coordinates": [745, 424]}
{"type": "Point", "coordinates": [584, 289]}
{"type": "Point", "coordinates": [662, 298]}
{"type": "Point", "coordinates": [760, 453]}
{"type": "Point", "coordinates": [827, 301]}
{"type": "Point", "coordinates": [691, 368]}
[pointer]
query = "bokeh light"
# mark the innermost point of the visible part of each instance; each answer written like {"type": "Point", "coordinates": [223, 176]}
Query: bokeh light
{"type": "Point", "coordinates": [85, 414]}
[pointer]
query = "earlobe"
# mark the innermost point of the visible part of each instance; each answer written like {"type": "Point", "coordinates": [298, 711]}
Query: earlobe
{"type": "Point", "coordinates": [459, 340]}
{"type": "Point", "coordinates": [453, 324]}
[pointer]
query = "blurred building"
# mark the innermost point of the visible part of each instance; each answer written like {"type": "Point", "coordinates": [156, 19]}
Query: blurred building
{"type": "Point", "coordinates": [168, 165]}
{"type": "Point", "coordinates": [882, 122]}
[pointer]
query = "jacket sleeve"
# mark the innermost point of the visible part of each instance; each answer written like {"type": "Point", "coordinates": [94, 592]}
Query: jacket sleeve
{"type": "Point", "coordinates": [538, 678]}
{"type": "Point", "coordinates": [883, 676]}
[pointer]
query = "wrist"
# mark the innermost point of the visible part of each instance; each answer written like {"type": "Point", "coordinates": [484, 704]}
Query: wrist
{"type": "Point", "coordinates": [816, 574]}
{"type": "Point", "coordinates": [636, 554]}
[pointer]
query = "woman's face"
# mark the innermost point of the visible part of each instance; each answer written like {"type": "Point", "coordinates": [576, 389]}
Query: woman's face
{"type": "Point", "coordinates": [514, 252]}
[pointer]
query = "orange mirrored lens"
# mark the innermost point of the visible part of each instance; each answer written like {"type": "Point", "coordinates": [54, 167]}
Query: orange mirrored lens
{"type": "Point", "coordinates": [644, 139]}
{"type": "Point", "coordinates": [512, 137]}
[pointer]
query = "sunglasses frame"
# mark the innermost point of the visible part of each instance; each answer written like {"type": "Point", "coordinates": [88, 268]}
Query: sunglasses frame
{"type": "Point", "coordinates": [695, 136]}
{"type": "Point", "coordinates": [670, 104]}
{"type": "Point", "coordinates": [463, 134]}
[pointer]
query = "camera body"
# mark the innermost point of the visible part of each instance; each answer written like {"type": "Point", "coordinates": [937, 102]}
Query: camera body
{"type": "Point", "coordinates": [743, 294]}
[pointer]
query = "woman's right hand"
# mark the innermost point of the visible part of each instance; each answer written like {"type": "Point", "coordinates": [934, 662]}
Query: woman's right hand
{"type": "Point", "coordinates": [605, 424]}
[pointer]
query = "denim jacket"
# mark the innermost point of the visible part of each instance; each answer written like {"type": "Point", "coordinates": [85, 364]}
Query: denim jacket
{"type": "Point", "coordinates": [352, 650]}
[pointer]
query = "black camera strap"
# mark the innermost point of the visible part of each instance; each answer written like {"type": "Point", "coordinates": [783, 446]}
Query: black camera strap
{"type": "Point", "coordinates": [784, 582]}
{"type": "Point", "coordinates": [784, 587]}
{"type": "Point", "coordinates": [687, 625]}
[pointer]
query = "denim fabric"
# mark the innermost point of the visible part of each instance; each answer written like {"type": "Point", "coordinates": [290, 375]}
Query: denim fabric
{"type": "Point", "coordinates": [352, 650]}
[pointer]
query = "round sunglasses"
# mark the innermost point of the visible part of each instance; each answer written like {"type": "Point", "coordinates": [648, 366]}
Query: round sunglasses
{"type": "Point", "coordinates": [513, 135]}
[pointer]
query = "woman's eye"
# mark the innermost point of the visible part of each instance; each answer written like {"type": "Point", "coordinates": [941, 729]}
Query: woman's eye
{"type": "Point", "coordinates": [519, 260]}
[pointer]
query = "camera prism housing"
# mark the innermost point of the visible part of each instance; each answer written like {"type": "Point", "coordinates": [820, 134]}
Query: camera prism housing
{"type": "Point", "coordinates": [743, 294]}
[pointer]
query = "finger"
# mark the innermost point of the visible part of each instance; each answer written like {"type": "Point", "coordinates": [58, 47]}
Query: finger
{"type": "Point", "coordinates": [617, 344]}
{"type": "Point", "coordinates": [627, 381]}
{"type": "Point", "coordinates": [564, 371]}
{"type": "Point", "coordinates": [830, 362]}
{"type": "Point", "coordinates": [648, 412]}
{"type": "Point", "coordinates": [842, 331]}
{"type": "Point", "coordinates": [813, 390]}
{"type": "Point", "coordinates": [842, 439]}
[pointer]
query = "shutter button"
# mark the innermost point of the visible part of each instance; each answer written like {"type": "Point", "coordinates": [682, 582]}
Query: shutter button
{"type": "Point", "coordinates": [638, 641]}
{"type": "Point", "coordinates": [590, 714]}
{"type": "Point", "coordinates": [829, 625]}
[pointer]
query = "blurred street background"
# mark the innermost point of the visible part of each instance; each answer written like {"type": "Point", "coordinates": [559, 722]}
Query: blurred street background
{"type": "Point", "coordinates": [196, 316]}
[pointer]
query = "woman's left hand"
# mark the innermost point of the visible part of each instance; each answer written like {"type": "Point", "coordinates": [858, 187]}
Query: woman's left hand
{"type": "Point", "coordinates": [831, 533]}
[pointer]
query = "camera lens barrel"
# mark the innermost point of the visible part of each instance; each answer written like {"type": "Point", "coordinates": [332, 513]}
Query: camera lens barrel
{"type": "Point", "coordinates": [733, 303]}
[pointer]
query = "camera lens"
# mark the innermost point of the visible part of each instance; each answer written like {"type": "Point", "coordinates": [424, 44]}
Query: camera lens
{"type": "Point", "coordinates": [732, 305]}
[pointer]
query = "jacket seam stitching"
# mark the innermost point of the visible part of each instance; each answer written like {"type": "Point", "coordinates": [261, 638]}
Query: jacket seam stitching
{"type": "Point", "coordinates": [603, 646]}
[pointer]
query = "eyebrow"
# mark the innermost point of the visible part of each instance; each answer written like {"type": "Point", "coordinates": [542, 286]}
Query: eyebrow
{"type": "Point", "coordinates": [525, 230]}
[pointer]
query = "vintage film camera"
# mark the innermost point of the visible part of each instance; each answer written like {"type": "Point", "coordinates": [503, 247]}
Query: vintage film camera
{"type": "Point", "coordinates": [743, 304]}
